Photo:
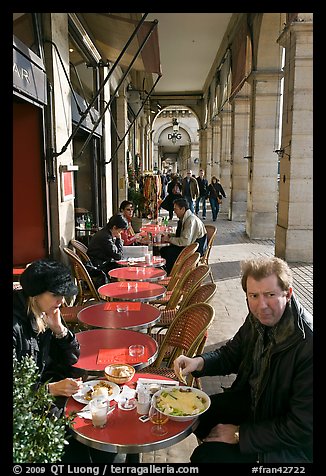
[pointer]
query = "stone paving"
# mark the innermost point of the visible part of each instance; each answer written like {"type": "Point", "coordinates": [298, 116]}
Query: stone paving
{"type": "Point", "coordinates": [231, 245]}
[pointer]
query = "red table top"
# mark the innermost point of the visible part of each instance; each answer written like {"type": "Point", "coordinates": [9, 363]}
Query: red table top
{"type": "Point", "coordinates": [154, 229]}
{"type": "Point", "coordinates": [124, 433]}
{"type": "Point", "coordinates": [99, 315]}
{"type": "Point", "coordinates": [119, 290]}
{"type": "Point", "coordinates": [119, 339]}
{"type": "Point", "coordinates": [156, 262]}
{"type": "Point", "coordinates": [138, 273]}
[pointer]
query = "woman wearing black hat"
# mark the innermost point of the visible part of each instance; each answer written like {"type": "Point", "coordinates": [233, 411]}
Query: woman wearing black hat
{"type": "Point", "coordinates": [39, 331]}
{"type": "Point", "coordinates": [38, 328]}
{"type": "Point", "coordinates": [106, 246]}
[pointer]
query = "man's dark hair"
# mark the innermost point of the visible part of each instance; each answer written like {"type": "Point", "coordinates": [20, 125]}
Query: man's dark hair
{"type": "Point", "coordinates": [124, 204]}
{"type": "Point", "coordinates": [117, 220]}
{"type": "Point", "coordinates": [181, 203]}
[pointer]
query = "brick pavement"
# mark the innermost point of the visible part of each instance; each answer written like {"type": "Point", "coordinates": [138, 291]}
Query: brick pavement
{"type": "Point", "coordinates": [231, 245]}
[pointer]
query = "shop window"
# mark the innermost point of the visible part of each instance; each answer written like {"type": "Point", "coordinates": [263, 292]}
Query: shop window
{"type": "Point", "coordinates": [25, 29]}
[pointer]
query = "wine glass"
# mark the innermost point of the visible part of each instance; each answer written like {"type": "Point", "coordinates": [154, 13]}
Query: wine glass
{"type": "Point", "coordinates": [159, 419]}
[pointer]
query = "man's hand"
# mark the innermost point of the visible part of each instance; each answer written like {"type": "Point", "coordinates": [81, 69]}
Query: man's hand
{"type": "Point", "coordinates": [223, 433]}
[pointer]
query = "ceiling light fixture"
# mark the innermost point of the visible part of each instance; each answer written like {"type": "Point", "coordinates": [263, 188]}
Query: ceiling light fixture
{"type": "Point", "coordinates": [176, 134]}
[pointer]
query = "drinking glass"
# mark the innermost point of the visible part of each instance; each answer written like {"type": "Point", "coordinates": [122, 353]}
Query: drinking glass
{"type": "Point", "coordinates": [99, 411]}
{"type": "Point", "coordinates": [159, 419]}
{"type": "Point", "coordinates": [136, 350]}
{"type": "Point", "coordinates": [132, 286]}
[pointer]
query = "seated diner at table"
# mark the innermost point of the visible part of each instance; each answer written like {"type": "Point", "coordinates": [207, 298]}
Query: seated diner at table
{"type": "Point", "coordinates": [106, 245]}
{"type": "Point", "coordinates": [190, 229]}
{"type": "Point", "coordinates": [128, 235]}
{"type": "Point", "coordinates": [40, 332]}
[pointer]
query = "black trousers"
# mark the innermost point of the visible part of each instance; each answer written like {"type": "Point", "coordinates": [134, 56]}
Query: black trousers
{"type": "Point", "coordinates": [170, 254]}
{"type": "Point", "coordinates": [231, 407]}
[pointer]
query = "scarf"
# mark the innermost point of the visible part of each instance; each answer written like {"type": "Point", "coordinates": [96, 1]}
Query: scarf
{"type": "Point", "coordinates": [266, 340]}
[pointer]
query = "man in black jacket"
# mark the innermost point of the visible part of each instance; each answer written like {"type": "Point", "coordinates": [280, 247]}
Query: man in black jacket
{"type": "Point", "coordinates": [266, 415]}
{"type": "Point", "coordinates": [203, 191]}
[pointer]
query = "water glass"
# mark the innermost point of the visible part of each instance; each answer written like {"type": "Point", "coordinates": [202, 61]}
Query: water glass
{"type": "Point", "coordinates": [136, 350]}
{"type": "Point", "coordinates": [132, 286]}
{"type": "Point", "coordinates": [122, 307]}
{"type": "Point", "coordinates": [99, 411]}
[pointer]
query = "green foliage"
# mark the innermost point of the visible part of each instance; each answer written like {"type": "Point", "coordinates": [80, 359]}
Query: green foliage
{"type": "Point", "coordinates": [138, 200]}
{"type": "Point", "coordinates": [38, 437]}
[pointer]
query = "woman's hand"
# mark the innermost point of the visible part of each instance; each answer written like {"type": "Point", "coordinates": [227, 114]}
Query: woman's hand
{"type": "Point", "coordinates": [65, 388]}
{"type": "Point", "coordinates": [53, 321]}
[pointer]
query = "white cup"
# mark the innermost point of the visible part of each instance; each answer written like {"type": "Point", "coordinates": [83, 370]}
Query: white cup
{"type": "Point", "coordinates": [143, 408]}
{"type": "Point", "coordinates": [99, 411]}
{"type": "Point", "coordinates": [147, 258]}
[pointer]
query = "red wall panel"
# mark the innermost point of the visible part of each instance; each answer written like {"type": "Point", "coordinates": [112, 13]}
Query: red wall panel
{"type": "Point", "coordinates": [29, 219]}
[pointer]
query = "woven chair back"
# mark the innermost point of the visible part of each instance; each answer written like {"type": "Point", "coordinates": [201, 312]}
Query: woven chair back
{"type": "Point", "coordinates": [86, 288]}
{"type": "Point", "coordinates": [191, 280]}
{"type": "Point", "coordinates": [81, 250]}
{"type": "Point", "coordinates": [186, 332]}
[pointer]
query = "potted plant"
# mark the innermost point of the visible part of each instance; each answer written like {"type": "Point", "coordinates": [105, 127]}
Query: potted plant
{"type": "Point", "coordinates": [138, 200]}
{"type": "Point", "coordinates": [38, 435]}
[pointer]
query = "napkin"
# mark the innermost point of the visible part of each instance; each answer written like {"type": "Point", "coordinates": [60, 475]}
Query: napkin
{"type": "Point", "coordinates": [126, 394]}
{"type": "Point", "coordinates": [132, 306]}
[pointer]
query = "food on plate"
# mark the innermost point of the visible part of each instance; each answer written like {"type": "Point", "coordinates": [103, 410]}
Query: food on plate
{"type": "Point", "coordinates": [119, 371]}
{"type": "Point", "coordinates": [100, 389]}
{"type": "Point", "coordinates": [180, 376]}
{"type": "Point", "coordinates": [181, 402]}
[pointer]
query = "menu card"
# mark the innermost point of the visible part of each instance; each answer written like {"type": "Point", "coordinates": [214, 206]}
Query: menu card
{"type": "Point", "coordinates": [119, 356]}
{"type": "Point", "coordinates": [132, 306]}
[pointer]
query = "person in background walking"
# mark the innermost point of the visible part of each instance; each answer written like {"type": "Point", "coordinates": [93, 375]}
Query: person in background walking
{"type": "Point", "coordinates": [203, 186]}
{"type": "Point", "coordinates": [173, 192]}
{"type": "Point", "coordinates": [190, 189]}
{"type": "Point", "coordinates": [215, 194]}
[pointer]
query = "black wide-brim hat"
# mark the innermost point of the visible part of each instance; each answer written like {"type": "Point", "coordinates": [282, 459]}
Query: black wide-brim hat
{"type": "Point", "coordinates": [48, 275]}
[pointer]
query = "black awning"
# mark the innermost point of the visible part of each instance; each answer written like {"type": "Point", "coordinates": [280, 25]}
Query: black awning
{"type": "Point", "coordinates": [111, 33]}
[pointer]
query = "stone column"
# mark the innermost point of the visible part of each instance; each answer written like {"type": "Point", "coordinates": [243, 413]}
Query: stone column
{"type": "Point", "coordinates": [239, 164]}
{"type": "Point", "coordinates": [262, 196]}
{"type": "Point", "coordinates": [225, 157]}
{"type": "Point", "coordinates": [294, 230]}
{"type": "Point", "coordinates": [216, 148]}
{"type": "Point", "coordinates": [122, 120]}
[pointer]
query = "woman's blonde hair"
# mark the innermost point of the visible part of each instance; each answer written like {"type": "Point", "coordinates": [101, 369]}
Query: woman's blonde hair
{"type": "Point", "coordinates": [32, 308]}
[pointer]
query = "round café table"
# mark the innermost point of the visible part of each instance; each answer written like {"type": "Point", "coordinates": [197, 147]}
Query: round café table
{"type": "Point", "coordinates": [155, 262]}
{"type": "Point", "coordinates": [102, 347]}
{"type": "Point", "coordinates": [119, 291]}
{"type": "Point", "coordinates": [139, 316]}
{"type": "Point", "coordinates": [138, 273]}
{"type": "Point", "coordinates": [124, 433]}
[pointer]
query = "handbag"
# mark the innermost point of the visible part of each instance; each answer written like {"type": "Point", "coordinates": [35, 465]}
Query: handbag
{"type": "Point", "coordinates": [219, 200]}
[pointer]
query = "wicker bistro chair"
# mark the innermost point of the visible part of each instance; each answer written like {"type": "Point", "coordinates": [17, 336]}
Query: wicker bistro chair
{"type": "Point", "coordinates": [187, 251]}
{"type": "Point", "coordinates": [182, 337]}
{"type": "Point", "coordinates": [211, 233]}
{"type": "Point", "coordinates": [192, 278]}
{"type": "Point", "coordinates": [86, 289]}
{"type": "Point", "coordinates": [80, 250]}
{"type": "Point", "coordinates": [203, 293]}
{"type": "Point", "coordinates": [191, 281]}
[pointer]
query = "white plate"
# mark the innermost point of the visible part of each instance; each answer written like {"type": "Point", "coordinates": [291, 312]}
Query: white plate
{"type": "Point", "coordinates": [196, 391]}
{"type": "Point", "coordinates": [79, 396]}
